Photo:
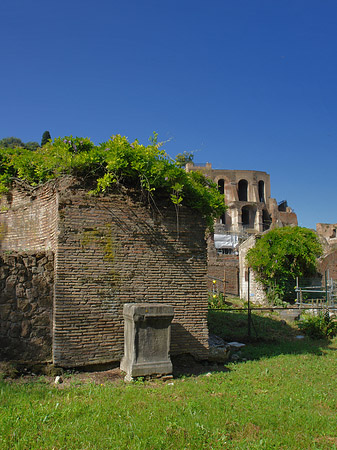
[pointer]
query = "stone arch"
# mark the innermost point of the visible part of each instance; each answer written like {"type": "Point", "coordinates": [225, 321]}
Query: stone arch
{"type": "Point", "coordinates": [221, 186]}
{"type": "Point", "coordinates": [243, 190]}
{"type": "Point", "coordinates": [261, 192]}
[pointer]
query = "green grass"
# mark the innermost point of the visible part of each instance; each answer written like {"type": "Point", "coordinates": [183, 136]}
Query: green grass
{"type": "Point", "coordinates": [283, 397]}
{"type": "Point", "coordinates": [286, 401]}
{"type": "Point", "coordinates": [266, 326]}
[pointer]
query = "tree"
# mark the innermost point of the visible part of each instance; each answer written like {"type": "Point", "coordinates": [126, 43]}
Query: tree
{"type": "Point", "coordinates": [11, 142]}
{"type": "Point", "coordinates": [14, 142]}
{"type": "Point", "coordinates": [283, 254]}
{"type": "Point", "coordinates": [45, 138]}
{"type": "Point", "coordinates": [32, 145]}
{"type": "Point", "coordinates": [183, 158]}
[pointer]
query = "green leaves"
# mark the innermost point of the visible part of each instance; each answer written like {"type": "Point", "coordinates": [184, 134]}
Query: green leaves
{"type": "Point", "coordinates": [319, 326]}
{"type": "Point", "coordinates": [145, 168]}
{"type": "Point", "coordinates": [283, 254]}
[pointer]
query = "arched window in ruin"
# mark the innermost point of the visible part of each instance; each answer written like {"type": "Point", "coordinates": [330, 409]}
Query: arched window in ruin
{"type": "Point", "coordinates": [261, 191]}
{"type": "Point", "coordinates": [243, 190]}
{"type": "Point", "coordinates": [223, 219]}
{"type": "Point", "coordinates": [266, 220]}
{"type": "Point", "coordinates": [221, 186]}
{"type": "Point", "coordinates": [245, 216]}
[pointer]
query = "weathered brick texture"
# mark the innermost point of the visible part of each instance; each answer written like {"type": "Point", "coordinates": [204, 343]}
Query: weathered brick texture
{"type": "Point", "coordinates": [28, 219]}
{"type": "Point", "coordinates": [113, 251]}
{"type": "Point", "coordinates": [329, 263]}
{"type": "Point", "coordinates": [110, 251]}
{"type": "Point", "coordinates": [224, 269]}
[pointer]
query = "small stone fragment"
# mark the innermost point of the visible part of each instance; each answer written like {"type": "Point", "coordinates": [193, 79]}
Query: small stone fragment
{"type": "Point", "coordinates": [58, 380]}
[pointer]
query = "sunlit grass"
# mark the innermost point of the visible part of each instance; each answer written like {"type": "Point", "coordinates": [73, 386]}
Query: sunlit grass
{"type": "Point", "coordinates": [285, 399]}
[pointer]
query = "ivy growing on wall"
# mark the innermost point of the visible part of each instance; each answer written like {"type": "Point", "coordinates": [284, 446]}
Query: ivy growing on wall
{"type": "Point", "coordinates": [112, 164]}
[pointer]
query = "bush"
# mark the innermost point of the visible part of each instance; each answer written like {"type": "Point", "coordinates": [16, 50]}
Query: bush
{"type": "Point", "coordinates": [112, 164]}
{"type": "Point", "coordinates": [281, 255]}
{"type": "Point", "coordinates": [318, 326]}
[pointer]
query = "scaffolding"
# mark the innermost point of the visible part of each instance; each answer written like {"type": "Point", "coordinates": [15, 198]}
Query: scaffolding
{"type": "Point", "coordinates": [319, 296]}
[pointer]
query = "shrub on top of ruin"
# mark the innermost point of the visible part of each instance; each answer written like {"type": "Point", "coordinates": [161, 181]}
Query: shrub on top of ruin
{"type": "Point", "coordinates": [281, 255]}
{"type": "Point", "coordinates": [113, 164]}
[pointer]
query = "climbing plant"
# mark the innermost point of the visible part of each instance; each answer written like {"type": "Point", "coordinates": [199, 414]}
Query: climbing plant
{"type": "Point", "coordinates": [281, 255]}
{"type": "Point", "coordinates": [112, 164]}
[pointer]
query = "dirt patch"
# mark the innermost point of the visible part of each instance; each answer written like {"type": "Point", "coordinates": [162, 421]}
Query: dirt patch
{"type": "Point", "coordinates": [183, 366]}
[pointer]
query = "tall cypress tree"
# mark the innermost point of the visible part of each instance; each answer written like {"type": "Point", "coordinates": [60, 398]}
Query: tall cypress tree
{"type": "Point", "coordinates": [45, 138]}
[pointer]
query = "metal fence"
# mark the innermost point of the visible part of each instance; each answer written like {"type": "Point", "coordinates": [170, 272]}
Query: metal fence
{"type": "Point", "coordinates": [312, 295]}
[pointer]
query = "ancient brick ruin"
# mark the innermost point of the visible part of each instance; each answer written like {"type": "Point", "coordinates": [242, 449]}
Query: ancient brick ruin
{"type": "Point", "coordinates": [69, 262]}
{"type": "Point", "coordinates": [251, 210]}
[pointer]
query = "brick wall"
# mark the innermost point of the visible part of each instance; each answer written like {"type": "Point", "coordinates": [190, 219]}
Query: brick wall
{"type": "Point", "coordinates": [28, 218]}
{"type": "Point", "coordinates": [108, 251]}
{"type": "Point", "coordinates": [222, 268]}
{"type": "Point", "coordinates": [112, 251]}
{"type": "Point", "coordinates": [225, 268]}
{"type": "Point", "coordinates": [329, 263]}
{"type": "Point", "coordinates": [26, 304]}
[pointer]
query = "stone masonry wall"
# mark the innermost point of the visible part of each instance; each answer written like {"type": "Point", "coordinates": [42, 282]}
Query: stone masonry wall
{"type": "Point", "coordinates": [257, 293]}
{"type": "Point", "coordinates": [113, 250]}
{"type": "Point", "coordinates": [26, 304]}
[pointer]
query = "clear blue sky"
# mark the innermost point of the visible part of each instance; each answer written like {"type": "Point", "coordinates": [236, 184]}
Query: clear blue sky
{"type": "Point", "coordinates": [245, 84]}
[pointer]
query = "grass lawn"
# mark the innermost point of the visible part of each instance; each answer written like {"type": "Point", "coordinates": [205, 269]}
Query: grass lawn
{"type": "Point", "coordinates": [283, 397]}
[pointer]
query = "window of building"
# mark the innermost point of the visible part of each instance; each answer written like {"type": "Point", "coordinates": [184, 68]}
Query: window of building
{"type": "Point", "coordinates": [261, 191]}
{"type": "Point", "coordinates": [221, 186]}
{"type": "Point", "coordinates": [245, 216]}
{"type": "Point", "coordinates": [243, 190]}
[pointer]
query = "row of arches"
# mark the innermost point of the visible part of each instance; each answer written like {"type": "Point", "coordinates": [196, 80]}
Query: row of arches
{"type": "Point", "coordinates": [248, 214]}
{"type": "Point", "coordinates": [243, 190]}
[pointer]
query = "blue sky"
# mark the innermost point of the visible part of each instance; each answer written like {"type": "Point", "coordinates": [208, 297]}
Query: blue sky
{"type": "Point", "coordinates": [245, 84]}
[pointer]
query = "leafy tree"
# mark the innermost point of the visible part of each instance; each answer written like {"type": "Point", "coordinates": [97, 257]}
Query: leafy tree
{"type": "Point", "coordinates": [183, 158]}
{"type": "Point", "coordinates": [11, 142]}
{"type": "Point", "coordinates": [45, 138]}
{"type": "Point", "coordinates": [32, 145]}
{"type": "Point", "coordinates": [281, 255]}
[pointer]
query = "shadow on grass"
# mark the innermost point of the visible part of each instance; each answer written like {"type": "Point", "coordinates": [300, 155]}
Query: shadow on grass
{"type": "Point", "coordinates": [269, 337]}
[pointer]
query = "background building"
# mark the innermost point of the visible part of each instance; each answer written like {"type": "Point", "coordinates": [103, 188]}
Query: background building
{"type": "Point", "coordinates": [251, 210]}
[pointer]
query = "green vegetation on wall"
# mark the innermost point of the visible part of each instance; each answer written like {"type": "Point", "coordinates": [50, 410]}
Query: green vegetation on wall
{"type": "Point", "coordinates": [281, 255]}
{"type": "Point", "coordinates": [114, 163]}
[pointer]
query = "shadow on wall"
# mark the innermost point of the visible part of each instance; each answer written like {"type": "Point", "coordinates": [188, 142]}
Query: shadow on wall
{"type": "Point", "coordinates": [183, 339]}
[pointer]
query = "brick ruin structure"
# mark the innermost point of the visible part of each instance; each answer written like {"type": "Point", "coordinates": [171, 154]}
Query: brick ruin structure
{"type": "Point", "coordinates": [70, 261]}
{"type": "Point", "coordinates": [251, 210]}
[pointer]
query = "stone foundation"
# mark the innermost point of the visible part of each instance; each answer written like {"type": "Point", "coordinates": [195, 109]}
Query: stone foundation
{"type": "Point", "coordinates": [26, 306]}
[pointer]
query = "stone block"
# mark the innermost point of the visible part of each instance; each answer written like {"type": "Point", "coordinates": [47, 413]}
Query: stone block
{"type": "Point", "coordinates": [147, 328]}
